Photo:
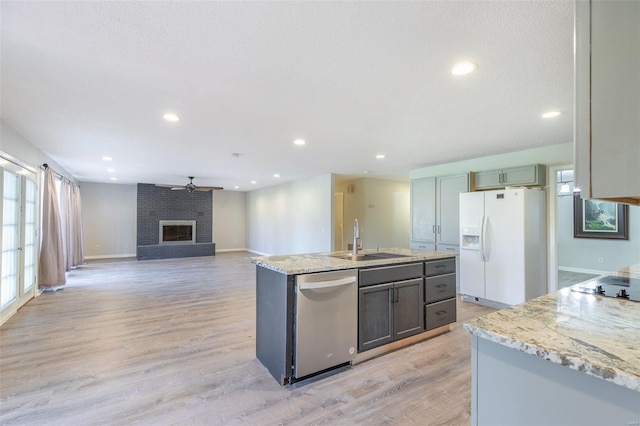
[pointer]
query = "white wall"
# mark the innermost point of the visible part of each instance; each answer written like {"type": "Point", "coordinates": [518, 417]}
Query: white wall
{"type": "Point", "coordinates": [21, 149]}
{"type": "Point", "coordinates": [549, 155]}
{"type": "Point", "coordinates": [382, 209]}
{"type": "Point", "coordinates": [109, 219]}
{"type": "Point", "coordinates": [291, 218]}
{"type": "Point", "coordinates": [583, 253]}
{"type": "Point", "coordinates": [229, 211]}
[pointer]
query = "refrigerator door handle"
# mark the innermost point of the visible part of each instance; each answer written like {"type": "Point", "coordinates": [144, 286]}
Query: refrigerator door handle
{"type": "Point", "coordinates": [483, 235]}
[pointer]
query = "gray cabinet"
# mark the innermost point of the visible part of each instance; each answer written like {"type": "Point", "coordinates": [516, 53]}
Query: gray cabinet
{"type": "Point", "coordinates": [532, 175]}
{"type": "Point", "coordinates": [435, 212]}
{"type": "Point", "coordinates": [390, 305]}
{"type": "Point", "coordinates": [439, 293]}
{"type": "Point", "coordinates": [375, 316]}
{"type": "Point", "coordinates": [407, 309]}
{"type": "Point", "coordinates": [607, 100]}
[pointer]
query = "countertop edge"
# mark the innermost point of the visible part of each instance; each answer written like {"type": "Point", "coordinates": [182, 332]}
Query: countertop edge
{"type": "Point", "coordinates": [574, 363]}
{"type": "Point", "coordinates": [324, 262]}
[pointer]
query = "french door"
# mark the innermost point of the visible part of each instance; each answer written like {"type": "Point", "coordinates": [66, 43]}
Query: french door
{"type": "Point", "coordinates": [19, 237]}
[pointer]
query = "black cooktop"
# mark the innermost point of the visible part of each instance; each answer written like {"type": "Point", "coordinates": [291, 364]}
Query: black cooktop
{"type": "Point", "coordinates": [612, 286]}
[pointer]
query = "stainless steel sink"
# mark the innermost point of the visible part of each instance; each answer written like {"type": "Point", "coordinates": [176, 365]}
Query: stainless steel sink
{"type": "Point", "coordinates": [368, 256]}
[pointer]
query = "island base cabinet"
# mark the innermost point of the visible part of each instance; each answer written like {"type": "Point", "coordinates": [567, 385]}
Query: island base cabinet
{"type": "Point", "coordinates": [407, 312]}
{"type": "Point", "coordinates": [511, 387]}
{"type": "Point", "coordinates": [375, 316]}
{"type": "Point", "coordinates": [440, 313]}
{"type": "Point", "coordinates": [389, 312]}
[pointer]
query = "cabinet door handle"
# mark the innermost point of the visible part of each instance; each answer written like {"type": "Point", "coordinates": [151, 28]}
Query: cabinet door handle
{"type": "Point", "coordinates": [438, 229]}
{"type": "Point", "coordinates": [434, 229]}
{"type": "Point", "coordinates": [397, 295]}
{"type": "Point", "coordinates": [441, 285]}
{"type": "Point", "coordinates": [504, 178]}
{"type": "Point", "coordinates": [441, 312]}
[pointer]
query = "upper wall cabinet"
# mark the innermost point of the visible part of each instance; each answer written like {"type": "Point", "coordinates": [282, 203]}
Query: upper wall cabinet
{"type": "Point", "coordinates": [435, 212]}
{"type": "Point", "coordinates": [607, 100]}
{"type": "Point", "coordinates": [533, 175]}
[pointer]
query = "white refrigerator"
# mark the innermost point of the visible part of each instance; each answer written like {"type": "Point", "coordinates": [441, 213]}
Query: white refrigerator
{"type": "Point", "coordinates": [503, 246]}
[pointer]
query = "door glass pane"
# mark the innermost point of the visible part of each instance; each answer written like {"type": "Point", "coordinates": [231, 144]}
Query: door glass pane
{"type": "Point", "coordinates": [29, 235]}
{"type": "Point", "coordinates": [10, 238]}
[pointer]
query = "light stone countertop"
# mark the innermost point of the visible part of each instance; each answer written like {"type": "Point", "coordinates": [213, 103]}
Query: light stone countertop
{"type": "Point", "coordinates": [596, 335]}
{"type": "Point", "coordinates": [322, 262]}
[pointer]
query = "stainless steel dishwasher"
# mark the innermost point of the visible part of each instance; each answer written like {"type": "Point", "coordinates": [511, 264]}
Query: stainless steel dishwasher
{"type": "Point", "coordinates": [326, 321]}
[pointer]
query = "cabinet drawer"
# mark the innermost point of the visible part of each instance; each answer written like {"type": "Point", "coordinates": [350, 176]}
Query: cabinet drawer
{"type": "Point", "coordinates": [440, 313]}
{"type": "Point", "coordinates": [440, 287]}
{"type": "Point", "coordinates": [440, 267]}
{"type": "Point", "coordinates": [388, 274]}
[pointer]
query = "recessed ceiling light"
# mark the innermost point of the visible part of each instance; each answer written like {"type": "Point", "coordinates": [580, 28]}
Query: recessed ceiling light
{"type": "Point", "coordinates": [105, 158]}
{"type": "Point", "coordinates": [299, 142]}
{"type": "Point", "coordinates": [366, 172]}
{"type": "Point", "coordinates": [236, 187]}
{"type": "Point", "coordinates": [113, 178]}
{"type": "Point", "coordinates": [111, 170]}
{"type": "Point", "coordinates": [380, 156]}
{"type": "Point", "coordinates": [171, 117]}
{"type": "Point", "coordinates": [463, 68]}
{"type": "Point", "coordinates": [551, 114]}
{"type": "Point", "coordinates": [276, 175]}
{"type": "Point", "coordinates": [253, 182]}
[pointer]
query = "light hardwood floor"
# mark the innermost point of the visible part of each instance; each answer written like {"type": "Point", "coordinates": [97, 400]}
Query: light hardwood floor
{"type": "Point", "coordinates": [173, 342]}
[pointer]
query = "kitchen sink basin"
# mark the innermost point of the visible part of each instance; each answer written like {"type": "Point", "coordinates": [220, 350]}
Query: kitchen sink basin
{"type": "Point", "coordinates": [368, 256]}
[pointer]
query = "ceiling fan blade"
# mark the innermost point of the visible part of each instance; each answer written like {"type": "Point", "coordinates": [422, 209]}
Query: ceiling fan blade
{"type": "Point", "coordinates": [178, 188]}
{"type": "Point", "coordinates": [165, 186]}
{"type": "Point", "coordinates": [209, 188]}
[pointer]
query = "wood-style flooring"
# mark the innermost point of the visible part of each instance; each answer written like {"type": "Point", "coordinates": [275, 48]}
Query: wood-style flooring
{"type": "Point", "coordinates": [166, 342]}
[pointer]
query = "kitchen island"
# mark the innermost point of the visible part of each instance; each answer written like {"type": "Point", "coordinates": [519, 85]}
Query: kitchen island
{"type": "Point", "coordinates": [566, 358]}
{"type": "Point", "coordinates": [382, 301]}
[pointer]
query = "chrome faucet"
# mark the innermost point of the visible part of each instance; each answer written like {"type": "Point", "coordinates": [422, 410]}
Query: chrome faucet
{"type": "Point", "coordinates": [356, 237]}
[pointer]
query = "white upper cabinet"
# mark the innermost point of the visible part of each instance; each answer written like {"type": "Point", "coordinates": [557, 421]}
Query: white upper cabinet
{"type": "Point", "coordinates": [607, 97]}
{"type": "Point", "coordinates": [423, 213]}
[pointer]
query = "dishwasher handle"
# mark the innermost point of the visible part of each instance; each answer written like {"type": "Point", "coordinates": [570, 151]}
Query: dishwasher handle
{"type": "Point", "coordinates": [327, 284]}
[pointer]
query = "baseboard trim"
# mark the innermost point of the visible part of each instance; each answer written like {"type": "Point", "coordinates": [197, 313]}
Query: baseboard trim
{"type": "Point", "coordinates": [582, 271]}
{"type": "Point", "coordinates": [259, 253]}
{"type": "Point", "coordinates": [230, 250]}
{"type": "Point", "coordinates": [110, 256]}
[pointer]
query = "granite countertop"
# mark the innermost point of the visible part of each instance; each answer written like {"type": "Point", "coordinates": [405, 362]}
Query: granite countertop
{"type": "Point", "coordinates": [322, 262]}
{"type": "Point", "coordinates": [596, 335]}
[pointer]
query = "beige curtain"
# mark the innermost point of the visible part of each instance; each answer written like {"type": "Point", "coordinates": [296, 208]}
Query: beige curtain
{"type": "Point", "coordinates": [70, 211]}
{"type": "Point", "coordinates": [52, 265]}
{"type": "Point", "coordinates": [65, 209]}
{"type": "Point", "coordinates": [77, 234]}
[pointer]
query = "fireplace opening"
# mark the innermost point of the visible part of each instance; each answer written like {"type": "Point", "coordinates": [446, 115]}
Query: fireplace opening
{"type": "Point", "coordinates": [177, 231]}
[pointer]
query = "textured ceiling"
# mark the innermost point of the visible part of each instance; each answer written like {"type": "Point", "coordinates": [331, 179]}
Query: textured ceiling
{"type": "Point", "coordinates": [81, 80]}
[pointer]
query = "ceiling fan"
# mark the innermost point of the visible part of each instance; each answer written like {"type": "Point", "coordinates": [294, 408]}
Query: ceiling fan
{"type": "Point", "coordinates": [190, 187]}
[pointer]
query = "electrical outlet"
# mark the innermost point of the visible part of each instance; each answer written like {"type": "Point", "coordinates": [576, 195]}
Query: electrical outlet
{"type": "Point", "coordinates": [600, 260]}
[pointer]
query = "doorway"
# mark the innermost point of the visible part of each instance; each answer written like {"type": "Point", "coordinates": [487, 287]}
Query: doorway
{"type": "Point", "coordinates": [338, 231]}
{"type": "Point", "coordinates": [19, 236]}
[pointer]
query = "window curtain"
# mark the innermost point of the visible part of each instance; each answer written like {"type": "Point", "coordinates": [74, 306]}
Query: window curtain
{"type": "Point", "coordinates": [71, 213]}
{"type": "Point", "coordinates": [52, 264]}
{"type": "Point", "coordinates": [77, 236]}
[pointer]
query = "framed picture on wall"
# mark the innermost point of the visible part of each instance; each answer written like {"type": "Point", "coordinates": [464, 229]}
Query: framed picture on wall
{"type": "Point", "coordinates": [600, 219]}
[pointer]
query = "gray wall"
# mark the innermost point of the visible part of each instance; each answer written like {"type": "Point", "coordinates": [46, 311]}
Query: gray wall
{"type": "Point", "coordinates": [582, 254]}
{"type": "Point", "coordinates": [109, 220]}
{"type": "Point", "coordinates": [292, 218]}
